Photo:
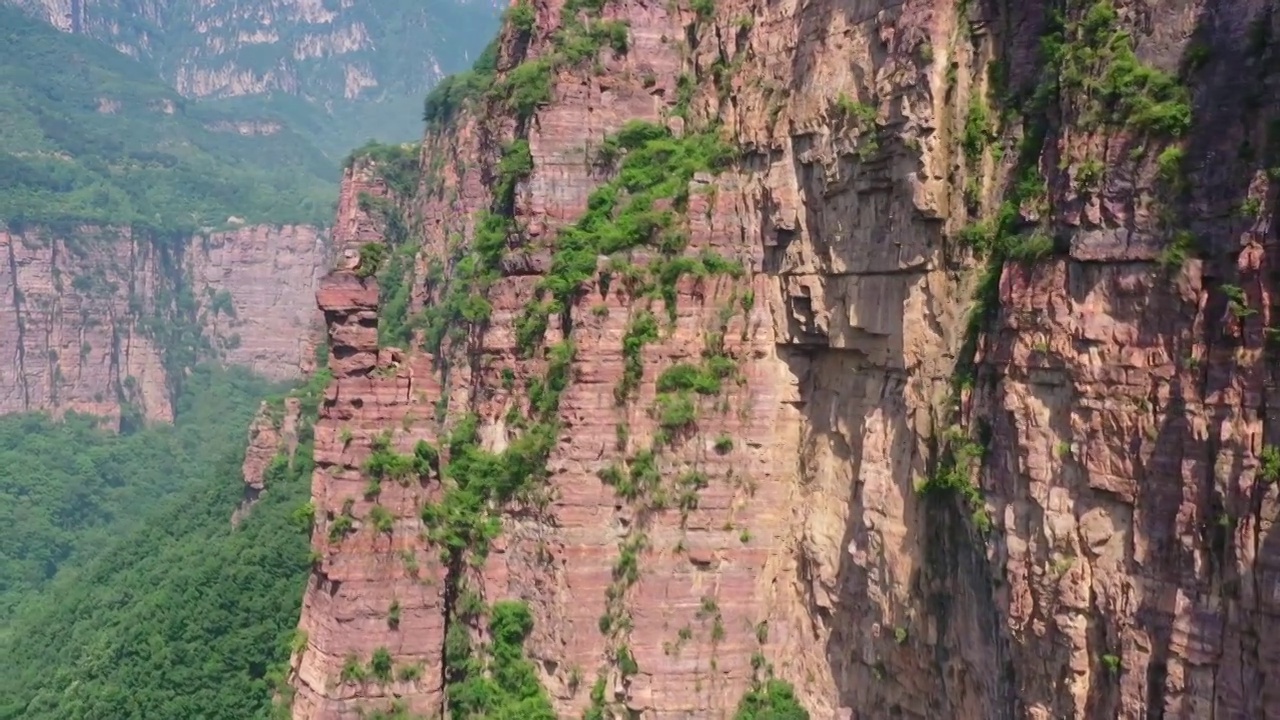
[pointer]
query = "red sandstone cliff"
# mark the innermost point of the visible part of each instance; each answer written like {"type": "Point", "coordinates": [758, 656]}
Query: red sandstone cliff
{"type": "Point", "coordinates": [1057, 506]}
{"type": "Point", "coordinates": [97, 319]}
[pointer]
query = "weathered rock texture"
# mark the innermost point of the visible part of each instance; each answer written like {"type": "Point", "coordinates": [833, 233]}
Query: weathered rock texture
{"type": "Point", "coordinates": [1118, 559]}
{"type": "Point", "coordinates": [97, 319]}
{"type": "Point", "coordinates": [272, 442]}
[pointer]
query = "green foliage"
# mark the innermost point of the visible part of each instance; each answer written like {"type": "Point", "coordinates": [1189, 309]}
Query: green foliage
{"type": "Point", "coordinates": [456, 92]}
{"type": "Point", "coordinates": [1097, 68]}
{"type": "Point", "coordinates": [978, 131]}
{"type": "Point", "coordinates": [771, 700]}
{"type": "Point", "coordinates": [380, 665]}
{"type": "Point", "coordinates": [703, 379]}
{"type": "Point", "coordinates": [1237, 301]}
{"type": "Point", "coordinates": [1169, 163]}
{"type": "Point", "coordinates": [642, 331]}
{"type": "Point", "coordinates": [461, 520]}
{"type": "Point", "coordinates": [353, 670]}
{"type": "Point", "coordinates": [521, 16]}
{"type": "Point", "coordinates": [176, 614]}
{"type": "Point", "coordinates": [675, 411]}
{"type": "Point", "coordinates": [621, 214]}
{"type": "Point", "coordinates": [87, 137]}
{"type": "Point", "coordinates": [382, 519]}
{"type": "Point", "coordinates": [668, 271]}
{"type": "Point", "coordinates": [515, 165]}
{"type": "Point", "coordinates": [527, 86]}
{"type": "Point", "coordinates": [371, 257]}
{"type": "Point", "coordinates": [510, 689]}
{"type": "Point", "coordinates": [861, 114]}
{"type": "Point", "coordinates": [1270, 469]}
{"type": "Point", "coordinates": [396, 164]}
{"type": "Point", "coordinates": [384, 463]}
{"type": "Point", "coordinates": [67, 489]}
{"type": "Point", "coordinates": [954, 476]}
{"type": "Point", "coordinates": [395, 289]}
{"type": "Point", "coordinates": [863, 118]}
{"type": "Point", "coordinates": [626, 662]}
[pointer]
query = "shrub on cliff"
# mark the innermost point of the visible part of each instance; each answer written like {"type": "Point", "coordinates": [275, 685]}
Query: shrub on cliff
{"type": "Point", "coordinates": [455, 91]}
{"type": "Point", "coordinates": [772, 700]}
{"type": "Point", "coordinates": [510, 690]}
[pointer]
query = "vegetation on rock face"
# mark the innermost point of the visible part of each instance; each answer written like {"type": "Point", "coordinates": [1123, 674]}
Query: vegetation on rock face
{"type": "Point", "coordinates": [1093, 62]}
{"type": "Point", "coordinates": [89, 136]}
{"type": "Point", "coordinates": [628, 212]}
{"type": "Point", "coordinates": [500, 684]}
{"type": "Point", "coordinates": [1089, 68]}
{"type": "Point", "coordinates": [642, 206]}
{"type": "Point", "coordinates": [453, 93]}
{"type": "Point", "coordinates": [175, 614]}
{"type": "Point", "coordinates": [771, 700]}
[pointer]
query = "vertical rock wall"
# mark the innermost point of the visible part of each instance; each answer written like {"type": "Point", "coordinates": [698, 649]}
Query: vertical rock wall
{"type": "Point", "coordinates": [1052, 502]}
{"type": "Point", "coordinates": [96, 319]}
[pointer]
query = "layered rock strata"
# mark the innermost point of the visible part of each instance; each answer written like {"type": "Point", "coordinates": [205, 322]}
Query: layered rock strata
{"type": "Point", "coordinates": [98, 319]}
{"type": "Point", "coordinates": [995, 444]}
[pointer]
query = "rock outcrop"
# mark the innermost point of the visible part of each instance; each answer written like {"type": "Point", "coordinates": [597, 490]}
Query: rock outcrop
{"type": "Point", "coordinates": [272, 442]}
{"type": "Point", "coordinates": [944, 396]}
{"type": "Point", "coordinates": [100, 321]}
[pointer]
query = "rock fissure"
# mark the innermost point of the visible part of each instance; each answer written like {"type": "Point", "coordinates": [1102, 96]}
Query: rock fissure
{"type": "Point", "coordinates": [20, 359]}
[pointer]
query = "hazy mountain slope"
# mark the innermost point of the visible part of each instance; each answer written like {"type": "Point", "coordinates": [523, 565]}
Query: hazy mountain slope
{"type": "Point", "coordinates": [88, 135]}
{"type": "Point", "coordinates": [329, 67]}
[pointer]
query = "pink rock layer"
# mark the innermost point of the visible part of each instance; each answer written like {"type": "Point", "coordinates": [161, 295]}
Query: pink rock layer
{"type": "Point", "coordinates": [1122, 403]}
{"type": "Point", "coordinates": [78, 312]}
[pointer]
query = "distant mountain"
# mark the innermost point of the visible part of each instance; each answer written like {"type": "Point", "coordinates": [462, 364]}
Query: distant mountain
{"type": "Point", "coordinates": [340, 71]}
{"type": "Point", "coordinates": [90, 135]}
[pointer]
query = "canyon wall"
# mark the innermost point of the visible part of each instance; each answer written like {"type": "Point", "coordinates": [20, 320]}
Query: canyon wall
{"type": "Point", "coordinates": [943, 395]}
{"type": "Point", "coordinates": [103, 321]}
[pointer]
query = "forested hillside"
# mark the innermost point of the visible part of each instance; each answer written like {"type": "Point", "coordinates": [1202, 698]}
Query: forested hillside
{"type": "Point", "coordinates": [67, 489]}
{"type": "Point", "coordinates": [159, 608]}
{"type": "Point", "coordinates": [339, 73]}
{"type": "Point", "coordinates": [90, 135]}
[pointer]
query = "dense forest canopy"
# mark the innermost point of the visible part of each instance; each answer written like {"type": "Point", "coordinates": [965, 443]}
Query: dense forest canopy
{"type": "Point", "coordinates": [128, 593]}
{"type": "Point", "coordinates": [66, 489]}
{"type": "Point", "coordinates": [90, 135]}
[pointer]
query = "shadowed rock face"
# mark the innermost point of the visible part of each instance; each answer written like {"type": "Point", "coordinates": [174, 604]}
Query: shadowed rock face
{"type": "Point", "coordinates": [1116, 558]}
{"type": "Point", "coordinates": [96, 319]}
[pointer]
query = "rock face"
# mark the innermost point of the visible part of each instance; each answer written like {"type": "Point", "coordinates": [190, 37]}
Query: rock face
{"type": "Point", "coordinates": [100, 321]}
{"type": "Point", "coordinates": [996, 443]}
{"type": "Point", "coordinates": [273, 440]}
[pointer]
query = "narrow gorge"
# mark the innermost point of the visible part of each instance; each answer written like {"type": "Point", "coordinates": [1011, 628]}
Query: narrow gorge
{"type": "Point", "coordinates": [910, 355]}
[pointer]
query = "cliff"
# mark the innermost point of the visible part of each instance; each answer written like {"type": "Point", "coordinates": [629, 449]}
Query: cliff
{"type": "Point", "coordinates": [914, 354]}
{"type": "Point", "coordinates": [103, 321]}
